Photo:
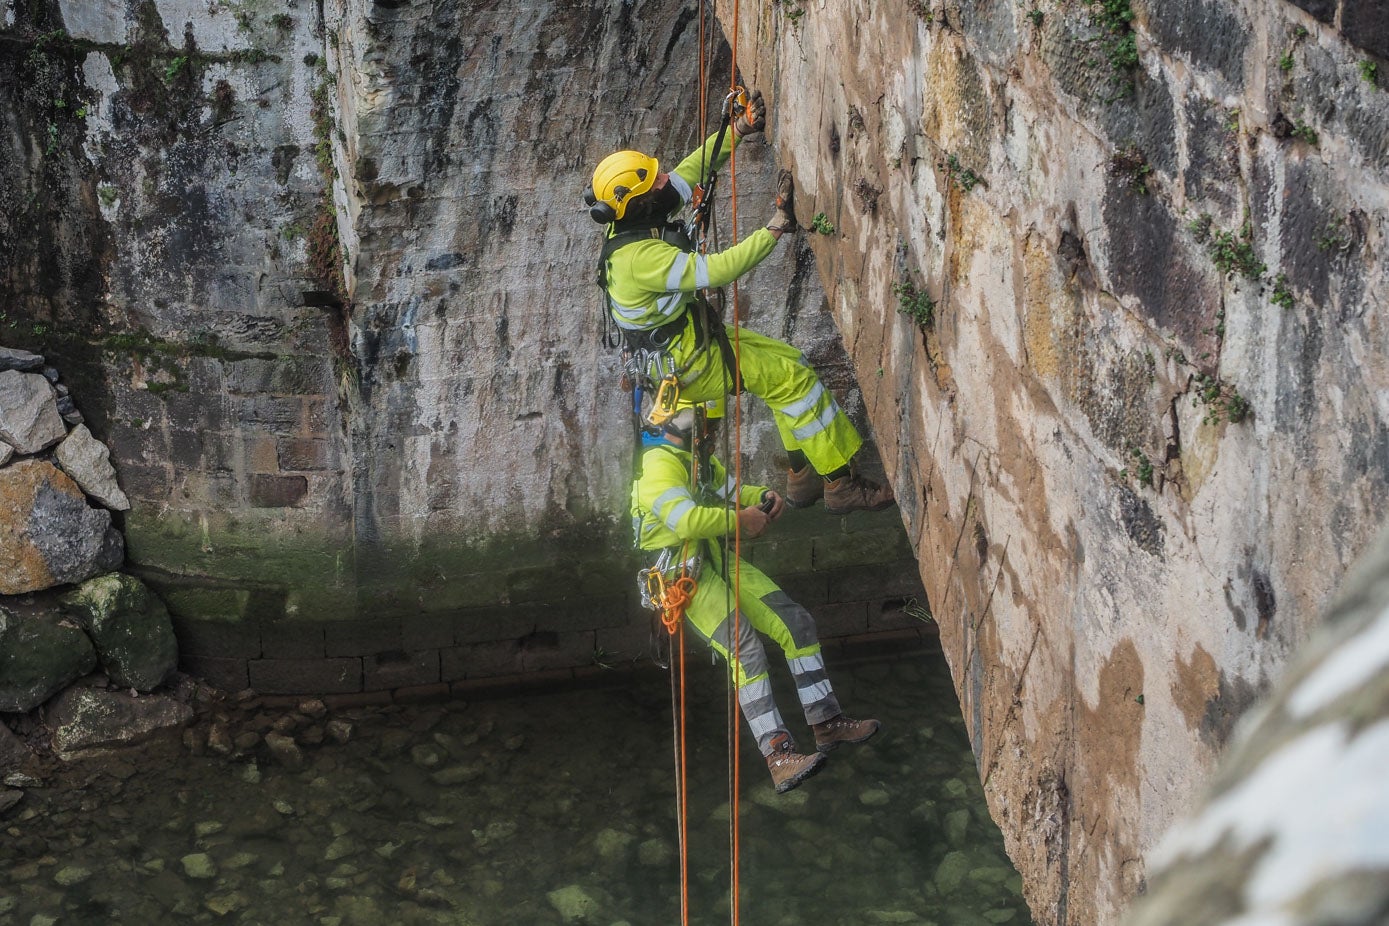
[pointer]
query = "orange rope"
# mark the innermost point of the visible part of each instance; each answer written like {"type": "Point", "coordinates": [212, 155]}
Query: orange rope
{"type": "Point", "coordinates": [735, 842]}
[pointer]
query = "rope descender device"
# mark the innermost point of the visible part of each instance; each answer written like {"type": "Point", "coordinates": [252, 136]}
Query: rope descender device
{"type": "Point", "coordinates": [663, 406]}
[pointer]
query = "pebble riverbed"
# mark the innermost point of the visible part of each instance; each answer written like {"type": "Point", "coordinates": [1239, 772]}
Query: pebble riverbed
{"type": "Point", "coordinates": [531, 810]}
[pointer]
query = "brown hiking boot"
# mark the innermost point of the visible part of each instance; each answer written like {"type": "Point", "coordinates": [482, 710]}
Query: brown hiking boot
{"type": "Point", "coordinates": [855, 493]}
{"type": "Point", "coordinates": [804, 487]}
{"type": "Point", "coordinates": [788, 767]}
{"type": "Point", "coordinates": [842, 729]}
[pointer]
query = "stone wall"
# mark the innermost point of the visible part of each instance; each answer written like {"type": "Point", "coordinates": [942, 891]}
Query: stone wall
{"type": "Point", "coordinates": [856, 574]}
{"type": "Point", "coordinates": [325, 273]}
{"type": "Point", "coordinates": [1112, 277]}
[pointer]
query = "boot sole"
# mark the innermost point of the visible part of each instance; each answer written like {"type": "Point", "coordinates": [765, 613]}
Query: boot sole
{"type": "Point", "coordinates": [808, 504]}
{"type": "Point", "coordinates": [796, 780]}
{"type": "Point", "coordinates": [826, 748]}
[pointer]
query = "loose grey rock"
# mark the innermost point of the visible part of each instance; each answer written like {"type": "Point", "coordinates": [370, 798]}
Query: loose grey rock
{"type": "Point", "coordinates": [14, 752]}
{"type": "Point", "coordinates": [9, 799]}
{"type": "Point", "coordinates": [22, 360]}
{"type": "Point", "coordinates": [284, 750]}
{"type": "Point", "coordinates": [88, 462]}
{"type": "Point", "coordinates": [951, 872]}
{"type": "Point", "coordinates": [219, 739]}
{"type": "Point", "coordinates": [313, 708]}
{"type": "Point", "coordinates": [39, 656]}
{"type": "Point", "coordinates": [85, 719]}
{"type": "Point", "coordinates": [29, 418]}
{"type": "Point", "coordinates": [573, 904]}
{"type": "Point", "coordinates": [49, 535]}
{"type": "Point", "coordinates": [6, 451]}
{"type": "Point", "coordinates": [71, 874]}
{"type": "Point", "coordinates": [654, 852]}
{"type": "Point", "coordinates": [130, 628]}
{"type": "Point", "coordinates": [339, 730]}
{"type": "Point", "coordinates": [199, 866]}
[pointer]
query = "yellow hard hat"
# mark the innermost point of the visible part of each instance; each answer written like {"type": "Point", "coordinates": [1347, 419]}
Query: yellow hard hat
{"type": "Point", "coordinates": [617, 179]}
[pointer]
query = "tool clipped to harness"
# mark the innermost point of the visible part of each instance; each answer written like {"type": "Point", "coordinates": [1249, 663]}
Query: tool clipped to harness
{"type": "Point", "coordinates": [667, 395]}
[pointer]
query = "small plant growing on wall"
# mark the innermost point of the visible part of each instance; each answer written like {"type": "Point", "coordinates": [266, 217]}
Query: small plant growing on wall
{"type": "Point", "coordinates": [958, 175]}
{"type": "Point", "coordinates": [1222, 400]}
{"type": "Point", "coordinates": [1282, 295]}
{"type": "Point", "coordinates": [1114, 20]}
{"type": "Point", "coordinates": [1305, 132]}
{"type": "Point", "coordinates": [1369, 72]}
{"type": "Point", "coordinates": [914, 303]}
{"type": "Point", "coordinates": [1131, 165]}
{"type": "Point", "coordinates": [822, 224]}
{"type": "Point", "coordinates": [1233, 253]}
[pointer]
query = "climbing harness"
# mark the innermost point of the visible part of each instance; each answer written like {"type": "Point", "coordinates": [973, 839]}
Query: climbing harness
{"type": "Point", "coordinates": [669, 588]}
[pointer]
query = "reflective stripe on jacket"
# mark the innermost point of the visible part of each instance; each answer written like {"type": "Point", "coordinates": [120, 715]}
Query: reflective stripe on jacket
{"type": "Point", "coordinates": [666, 511]}
{"type": "Point", "coordinates": [651, 282]}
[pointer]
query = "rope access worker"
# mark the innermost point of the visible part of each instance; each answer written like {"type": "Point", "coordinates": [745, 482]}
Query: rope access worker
{"type": "Point", "coordinates": [653, 280]}
{"type": "Point", "coordinates": [668, 515]}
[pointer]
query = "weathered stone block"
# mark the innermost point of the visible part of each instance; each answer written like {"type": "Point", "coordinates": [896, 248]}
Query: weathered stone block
{"type": "Point", "coordinates": [190, 602]}
{"type": "Point", "coordinates": [299, 453]}
{"type": "Point", "coordinates": [281, 415]}
{"type": "Point", "coordinates": [501, 657]}
{"type": "Point", "coordinates": [226, 673]}
{"type": "Point", "coordinates": [306, 676]}
{"type": "Point", "coordinates": [268, 491]}
{"type": "Point", "coordinates": [201, 637]}
{"type": "Point", "coordinates": [484, 624]}
{"type": "Point", "coordinates": [29, 418]}
{"type": "Point", "coordinates": [147, 483]}
{"type": "Point", "coordinates": [866, 549]}
{"type": "Point", "coordinates": [49, 535]}
{"type": "Point", "coordinates": [292, 639]}
{"type": "Point", "coordinates": [1212, 33]}
{"type": "Point", "coordinates": [39, 655]}
{"type": "Point", "coordinates": [1325, 10]}
{"type": "Point", "coordinates": [361, 638]}
{"type": "Point", "coordinates": [900, 579]}
{"type": "Point", "coordinates": [85, 720]}
{"type": "Point", "coordinates": [400, 670]}
{"type": "Point", "coordinates": [842, 619]}
{"type": "Point", "coordinates": [129, 627]}
{"type": "Point", "coordinates": [426, 631]}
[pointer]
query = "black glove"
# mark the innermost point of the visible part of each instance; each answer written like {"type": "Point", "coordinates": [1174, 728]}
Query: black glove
{"type": "Point", "coordinates": [784, 219]}
{"type": "Point", "coordinates": [754, 118]}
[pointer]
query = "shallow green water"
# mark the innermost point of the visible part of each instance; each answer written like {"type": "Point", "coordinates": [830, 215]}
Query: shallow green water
{"type": "Point", "coordinates": [524, 811]}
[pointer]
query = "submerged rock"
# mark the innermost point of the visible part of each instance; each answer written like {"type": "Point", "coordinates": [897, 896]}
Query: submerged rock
{"type": "Point", "coordinates": [284, 750]}
{"type": "Point", "coordinates": [574, 904]}
{"type": "Point", "coordinates": [130, 628]}
{"type": "Point", "coordinates": [39, 656]}
{"type": "Point", "coordinates": [199, 866]}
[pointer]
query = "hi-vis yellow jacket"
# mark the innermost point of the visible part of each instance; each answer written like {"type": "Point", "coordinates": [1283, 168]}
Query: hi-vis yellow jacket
{"type": "Point", "coordinates": [650, 283]}
{"type": "Point", "coordinates": [666, 511]}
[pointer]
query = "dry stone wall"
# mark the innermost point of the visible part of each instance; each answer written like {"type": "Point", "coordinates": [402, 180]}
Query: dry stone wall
{"type": "Point", "coordinates": [1112, 277]}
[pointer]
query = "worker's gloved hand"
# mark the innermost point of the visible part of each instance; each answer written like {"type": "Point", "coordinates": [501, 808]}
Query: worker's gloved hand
{"type": "Point", "coordinates": [754, 118]}
{"type": "Point", "coordinates": [784, 219]}
{"type": "Point", "coordinates": [752, 522]}
{"type": "Point", "coordinates": [773, 504]}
